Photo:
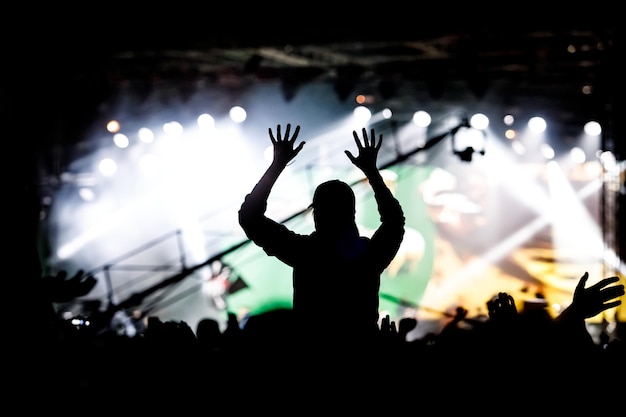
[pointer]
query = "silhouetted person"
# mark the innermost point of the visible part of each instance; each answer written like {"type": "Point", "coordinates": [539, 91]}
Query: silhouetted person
{"type": "Point", "coordinates": [586, 303]}
{"type": "Point", "coordinates": [209, 335]}
{"type": "Point", "coordinates": [333, 267]}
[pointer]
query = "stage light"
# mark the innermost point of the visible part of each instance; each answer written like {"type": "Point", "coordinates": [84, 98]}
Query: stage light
{"type": "Point", "coordinates": [121, 140]}
{"type": "Point", "coordinates": [510, 134]}
{"type": "Point", "coordinates": [422, 118]}
{"type": "Point", "coordinates": [537, 124]}
{"type": "Point", "coordinates": [107, 167]}
{"type": "Point", "coordinates": [577, 155]}
{"type": "Point", "coordinates": [113, 126]}
{"type": "Point", "coordinates": [87, 194]}
{"type": "Point", "coordinates": [206, 122]}
{"type": "Point", "coordinates": [173, 129]}
{"type": "Point", "coordinates": [608, 160]}
{"type": "Point", "coordinates": [146, 135]}
{"type": "Point", "coordinates": [479, 121]}
{"type": "Point", "coordinates": [362, 114]}
{"type": "Point", "coordinates": [237, 114]}
{"type": "Point", "coordinates": [592, 128]}
{"type": "Point", "coordinates": [469, 140]}
{"type": "Point", "coordinates": [547, 151]}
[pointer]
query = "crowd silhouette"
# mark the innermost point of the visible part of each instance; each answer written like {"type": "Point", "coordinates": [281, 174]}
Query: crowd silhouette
{"type": "Point", "coordinates": [303, 359]}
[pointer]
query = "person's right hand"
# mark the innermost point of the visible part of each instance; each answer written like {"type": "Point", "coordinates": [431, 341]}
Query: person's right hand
{"type": "Point", "coordinates": [284, 150]}
{"type": "Point", "coordinates": [589, 302]}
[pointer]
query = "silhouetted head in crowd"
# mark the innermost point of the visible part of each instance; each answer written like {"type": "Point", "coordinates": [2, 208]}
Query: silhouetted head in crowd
{"type": "Point", "coordinates": [333, 207]}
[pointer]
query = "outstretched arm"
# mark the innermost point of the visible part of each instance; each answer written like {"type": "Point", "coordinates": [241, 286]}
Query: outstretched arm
{"type": "Point", "coordinates": [366, 159]}
{"type": "Point", "coordinates": [390, 234]}
{"type": "Point", "coordinates": [366, 162]}
{"type": "Point", "coordinates": [587, 303]}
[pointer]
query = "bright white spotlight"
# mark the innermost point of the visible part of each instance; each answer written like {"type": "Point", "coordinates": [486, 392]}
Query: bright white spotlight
{"type": "Point", "coordinates": [387, 113]}
{"type": "Point", "coordinates": [609, 162]}
{"type": "Point", "coordinates": [87, 194]}
{"type": "Point", "coordinates": [173, 129]}
{"type": "Point", "coordinates": [237, 114]}
{"type": "Point", "coordinates": [479, 121]}
{"type": "Point", "coordinates": [361, 114]}
{"type": "Point", "coordinates": [206, 122]}
{"type": "Point", "coordinates": [146, 135]}
{"type": "Point", "coordinates": [592, 128]}
{"type": "Point", "coordinates": [537, 124]}
{"type": "Point", "coordinates": [575, 233]}
{"type": "Point", "coordinates": [577, 155]}
{"type": "Point", "coordinates": [107, 167]}
{"type": "Point", "coordinates": [421, 118]}
{"type": "Point", "coordinates": [121, 140]}
{"type": "Point", "coordinates": [547, 151]}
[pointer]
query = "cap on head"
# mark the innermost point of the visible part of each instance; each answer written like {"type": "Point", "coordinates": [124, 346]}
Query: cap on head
{"type": "Point", "coordinates": [335, 195]}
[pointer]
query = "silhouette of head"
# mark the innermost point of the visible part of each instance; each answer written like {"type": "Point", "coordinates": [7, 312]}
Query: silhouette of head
{"type": "Point", "coordinates": [333, 205]}
{"type": "Point", "coordinates": [208, 333]}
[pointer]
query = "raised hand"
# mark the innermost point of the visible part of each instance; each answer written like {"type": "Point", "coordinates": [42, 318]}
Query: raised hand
{"type": "Point", "coordinates": [368, 151]}
{"type": "Point", "coordinates": [405, 326]}
{"type": "Point", "coordinates": [388, 326]}
{"type": "Point", "coordinates": [388, 332]}
{"type": "Point", "coordinates": [589, 302]}
{"type": "Point", "coordinates": [502, 308]}
{"type": "Point", "coordinates": [284, 150]}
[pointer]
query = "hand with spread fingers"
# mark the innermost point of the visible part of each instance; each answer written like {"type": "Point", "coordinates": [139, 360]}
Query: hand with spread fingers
{"type": "Point", "coordinates": [284, 150]}
{"type": "Point", "coordinates": [368, 151]}
{"type": "Point", "coordinates": [586, 303]}
{"type": "Point", "coordinates": [591, 301]}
